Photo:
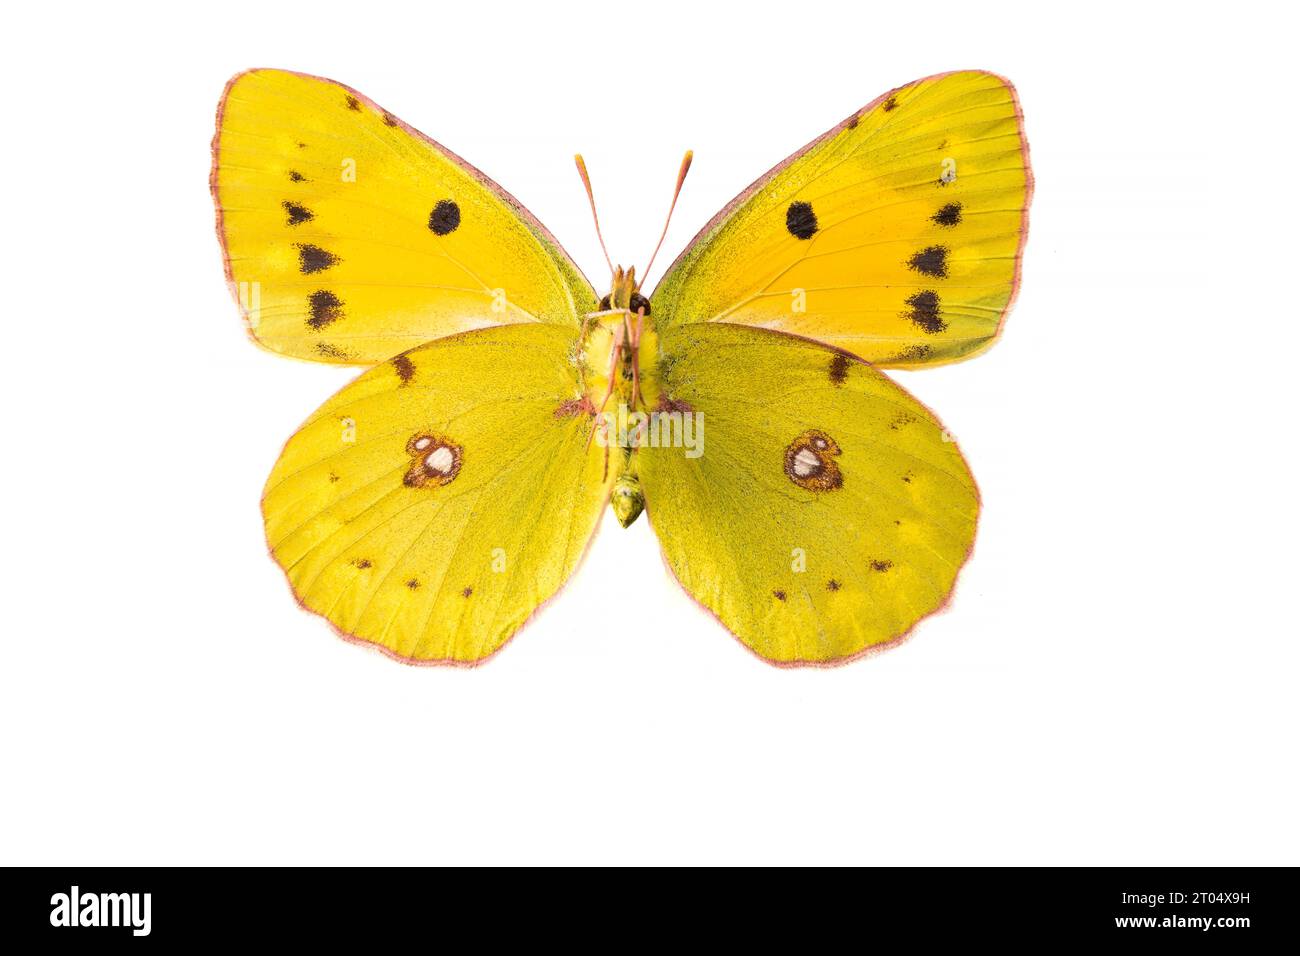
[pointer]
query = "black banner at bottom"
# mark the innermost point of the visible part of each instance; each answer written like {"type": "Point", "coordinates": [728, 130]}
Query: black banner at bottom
{"type": "Point", "coordinates": [133, 907]}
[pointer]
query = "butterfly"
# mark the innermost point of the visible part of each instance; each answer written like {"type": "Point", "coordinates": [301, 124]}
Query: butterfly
{"type": "Point", "coordinates": [435, 503]}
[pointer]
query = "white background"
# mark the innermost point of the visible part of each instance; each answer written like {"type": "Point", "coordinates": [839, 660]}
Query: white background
{"type": "Point", "coordinates": [1113, 684]}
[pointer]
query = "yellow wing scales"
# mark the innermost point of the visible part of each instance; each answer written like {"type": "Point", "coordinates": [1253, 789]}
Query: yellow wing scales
{"type": "Point", "coordinates": [434, 503]}
{"type": "Point", "coordinates": [829, 511]}
{"type": "Point", "coordinates": [896, 236]}
{"type": "Point", "coordinates": [350, 237]}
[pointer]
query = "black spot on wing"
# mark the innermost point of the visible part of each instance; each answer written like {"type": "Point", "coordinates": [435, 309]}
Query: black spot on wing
{"type": "Point", "coordinates": [413, 584]}
{"type": "Point", "coordinates": [389, 119]}
{"type": "Point", "coordinates": [445, 217]}
{"type": "Point", "coordinates": [352, 103]}
{"type": "Point", "coordinates": [298, 213]}
{"type": "Point", "coordinates": [801, 220]}
{"type": "Point", "coordinates": [925, 312]}
{"type": "Point", "coordinates": [314, 258]}
{"type": "Point", "coordinates": [914, 353]}
{"type": "Point", "coordinates": [948, 215]}
{"type": "Point", "coordinates": [890, 104]}
{"type": "Point", "coordinates": [930, 261]}
{"type": "Point", "coordinates": [839, 368]}
{"type": "Point", "coordinates": [832, 585]}
{"type": "Point", "coordinates": [881, 566]}
{"type": "Point", "coordinates": [325, 308]}
{"type": "Point", "coordinates": [296, 177]}
{"type": "Point", "coordinates": [325, 350]}
{"type": "Point", "coordinates": [405, 368]}
{"type": "Point", "coordinates": [467, 592]}
{"type": "Point", "coordinates": [362, 563]}
{"type": "Point", "coordinates": [779, 595]}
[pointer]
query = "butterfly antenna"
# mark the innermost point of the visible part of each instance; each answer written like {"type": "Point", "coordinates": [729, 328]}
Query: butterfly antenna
{"type": "Point", "coordinates": [591, 198]}
{"type": "Point", "coordinates": [681, 178]}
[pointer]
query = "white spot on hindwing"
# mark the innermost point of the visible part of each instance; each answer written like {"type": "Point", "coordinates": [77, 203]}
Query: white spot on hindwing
{"type": "Point", "coordinates": [440, 460]}
{"type": "Point", "coordinates": [810, 462]}
{"type": "Point", "coordinates": [806, 463]}
{"type": "Point", "coordinates": [435, 460]}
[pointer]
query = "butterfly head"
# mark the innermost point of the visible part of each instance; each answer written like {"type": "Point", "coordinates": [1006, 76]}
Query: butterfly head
{"type": "Point", "coordinates": [624, 293]}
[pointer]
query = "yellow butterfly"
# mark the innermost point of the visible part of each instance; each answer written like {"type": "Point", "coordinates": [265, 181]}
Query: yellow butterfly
{"type": "Point", "coordinates": [431, 506]}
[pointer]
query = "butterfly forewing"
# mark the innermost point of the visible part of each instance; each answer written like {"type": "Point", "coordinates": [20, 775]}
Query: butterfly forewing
{"type": "Point", "coordinates": [896, 236]}
{"type": "Point", "coordinates": [350, 237]}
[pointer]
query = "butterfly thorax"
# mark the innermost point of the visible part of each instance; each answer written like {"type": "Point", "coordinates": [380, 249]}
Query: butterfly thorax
{"type": "Point", "coordinates": [618, 339]}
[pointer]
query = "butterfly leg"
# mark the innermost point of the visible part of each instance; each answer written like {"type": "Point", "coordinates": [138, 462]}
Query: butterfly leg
{"type": "Point", "coordinates": [636, 363]}
{"type": "Point", "coordinates": [582, 332]}
{"type": "Point", "coordinates": [615, 354]}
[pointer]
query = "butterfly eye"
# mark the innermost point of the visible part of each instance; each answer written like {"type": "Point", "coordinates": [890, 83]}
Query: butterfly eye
{"type": "Point", "coordinates": [635, 304]}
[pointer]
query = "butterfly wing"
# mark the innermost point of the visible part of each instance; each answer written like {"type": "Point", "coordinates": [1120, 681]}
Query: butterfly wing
{"type": "Point", "coordinates": [897, 235]}
{"type": "Point", "coordinates": [430, 506]}
{"type": "Point", "coordinates": [350, 237]}
{"type": "Point", "coordinates": [828, 512]}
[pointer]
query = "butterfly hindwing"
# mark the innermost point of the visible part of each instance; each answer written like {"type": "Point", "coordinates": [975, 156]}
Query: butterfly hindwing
{"type": "Point", "coordinates": [350, 237]}
{"type": "Point", "coordinates": [828, 511]}
{"type": "Point", "coordinates": [431, 505]}
{"type": "Point", "coordinates": [896, 236]}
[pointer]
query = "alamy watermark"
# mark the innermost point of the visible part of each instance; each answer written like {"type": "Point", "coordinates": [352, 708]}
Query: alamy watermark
{"type": "Point", "coordinates": [75, 908]}
{"type": "Point", "coordinates": [665, 428]}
